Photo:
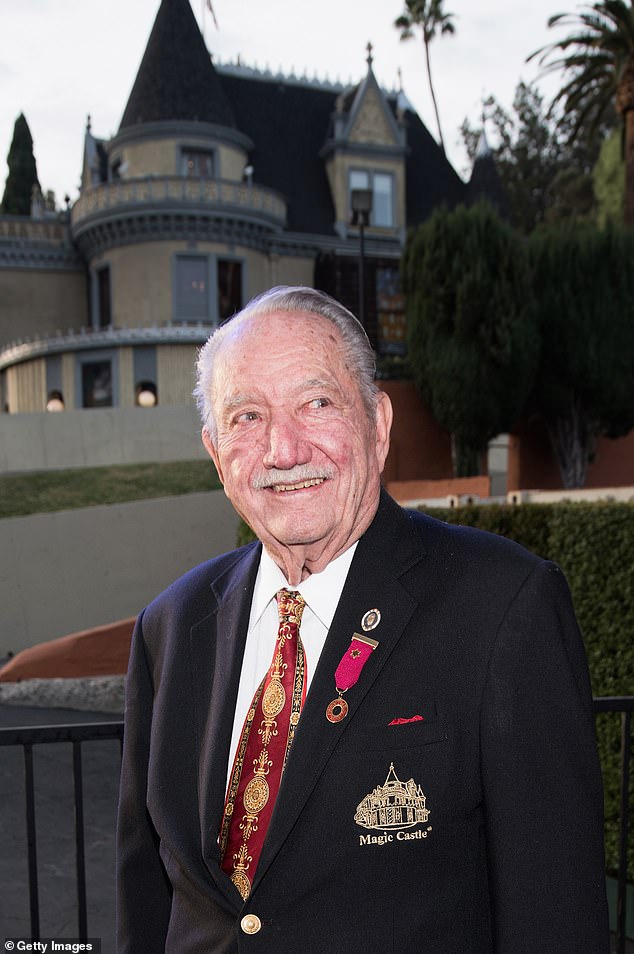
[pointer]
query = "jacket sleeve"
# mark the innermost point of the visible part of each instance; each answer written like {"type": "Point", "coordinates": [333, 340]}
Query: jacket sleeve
{"type": "Point", "coordinates": [542, 789]}
{"type": "Point", "coordinates": [143, 890]}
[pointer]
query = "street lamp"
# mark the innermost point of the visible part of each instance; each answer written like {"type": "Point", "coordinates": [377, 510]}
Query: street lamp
{"type": "Point", "coordinates": [361, 206]}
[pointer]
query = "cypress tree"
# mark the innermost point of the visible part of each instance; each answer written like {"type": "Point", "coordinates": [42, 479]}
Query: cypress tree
{"type": "Point", "coordinates": [584, 288]}
{"type": "Point", "coordinates": [472, 335]}
{"type": "Point", "coordinates": [22, 171]}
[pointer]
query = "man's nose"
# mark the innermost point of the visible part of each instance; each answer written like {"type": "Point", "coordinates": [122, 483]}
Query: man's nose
{"type": "Point", "coordinates": [286, 446]}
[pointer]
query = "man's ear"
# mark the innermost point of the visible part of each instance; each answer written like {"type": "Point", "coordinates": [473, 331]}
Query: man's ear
{"type": "Point", "coordinates": [211, 450]}
{"type": "Point", "coordinates": [384, 416]}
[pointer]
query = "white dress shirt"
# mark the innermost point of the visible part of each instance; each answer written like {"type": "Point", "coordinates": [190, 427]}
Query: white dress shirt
{"type": "Point", "coordinates": [321, 592]}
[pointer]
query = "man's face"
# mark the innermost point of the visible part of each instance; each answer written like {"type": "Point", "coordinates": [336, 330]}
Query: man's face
{"type": "Point", "coordinates": [299, 458]}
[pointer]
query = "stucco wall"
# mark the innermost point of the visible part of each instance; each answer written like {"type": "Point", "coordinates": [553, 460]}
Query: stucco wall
{"type": "Point", "coordinates": [532, 463]}
{"type": "Point", "coordinates": [98, 437]}
{"type": "Point", "coordinates": [38, 302]}
{"type": "Point", "coordinates": [67, 571]}
{"type": "Point", "coordinates": [142, 275]}
{"type": "Point", "coordinates": [162, 156]}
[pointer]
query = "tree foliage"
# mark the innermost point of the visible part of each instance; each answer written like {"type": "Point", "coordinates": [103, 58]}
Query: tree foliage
{"type": "Point", "coordinates": [22, 171]}
{"type": "Point", "coordinates": [472, 339]}
{"type": "Point", "coordinates": [432, 19]}
{"type": "Point", "coordinates": [547, 177]}
{"type": "Point", "coordinates": [584, 288]}
{"type": "Point", "coordinates": [597, 62]}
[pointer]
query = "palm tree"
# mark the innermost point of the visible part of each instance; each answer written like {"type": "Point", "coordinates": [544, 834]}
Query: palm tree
{"type": "Point", "coordinates": [431, 18]}
{"type": "Point", "coordinates": [597, 60]}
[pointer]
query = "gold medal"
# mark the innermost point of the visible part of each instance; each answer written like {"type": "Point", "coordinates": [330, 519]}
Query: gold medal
{"type": "Point", "coordinates": [337, 710]}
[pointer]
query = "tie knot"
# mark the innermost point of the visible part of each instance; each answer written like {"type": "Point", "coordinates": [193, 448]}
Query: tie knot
{"type": "Point", "coordinates": [290, 606]}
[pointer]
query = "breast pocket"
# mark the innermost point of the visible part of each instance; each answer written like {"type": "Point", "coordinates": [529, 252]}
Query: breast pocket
{"type": "Point", "coordinates": [392, 725]}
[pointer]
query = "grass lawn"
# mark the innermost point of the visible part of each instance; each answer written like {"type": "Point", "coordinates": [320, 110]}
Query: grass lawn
{"type": "Point", "coordinates": [45, 491]}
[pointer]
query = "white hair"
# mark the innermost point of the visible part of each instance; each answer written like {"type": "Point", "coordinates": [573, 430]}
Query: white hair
{"type": "Point", "coordinates": [358, 353]}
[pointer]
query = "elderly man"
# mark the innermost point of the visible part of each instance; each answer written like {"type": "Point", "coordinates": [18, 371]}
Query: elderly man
{"type": "Point", "coordinates": [369, 732]}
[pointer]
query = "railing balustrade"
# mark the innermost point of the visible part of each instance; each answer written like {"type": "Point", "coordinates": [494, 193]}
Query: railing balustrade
{"type": "Point", "coordinates": [158, 190]}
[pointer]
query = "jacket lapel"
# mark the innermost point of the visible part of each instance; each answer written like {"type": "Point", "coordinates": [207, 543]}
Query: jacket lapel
{"type": "Point", "coordinates": [217, 647]}
{"type": "Point", "coordinates": [389, 547]}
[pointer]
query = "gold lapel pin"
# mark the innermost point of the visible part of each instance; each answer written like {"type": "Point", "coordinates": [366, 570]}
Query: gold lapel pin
{"type": "Point", "coordinates": [370, 620]}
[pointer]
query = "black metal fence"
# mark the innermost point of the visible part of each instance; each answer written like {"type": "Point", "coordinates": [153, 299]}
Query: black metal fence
{"type": "Point", "coordinates": [76, 735]}
{"type": "Point", "coordinates": [624, 705]}
{"type": "Point", "coordinates": [27, 737]}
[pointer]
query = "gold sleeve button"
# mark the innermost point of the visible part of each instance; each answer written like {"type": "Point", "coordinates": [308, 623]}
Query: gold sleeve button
{"type": "Point", "coordinates": [250, 924]}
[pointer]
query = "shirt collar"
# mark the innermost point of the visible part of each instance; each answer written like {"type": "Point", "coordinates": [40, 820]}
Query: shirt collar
{"type": "Point", "coordinates": [322, 591]}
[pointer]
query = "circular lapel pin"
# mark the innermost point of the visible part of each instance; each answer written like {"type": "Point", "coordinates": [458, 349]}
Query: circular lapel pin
{"type": "Point", "coordinates": [370, 620]}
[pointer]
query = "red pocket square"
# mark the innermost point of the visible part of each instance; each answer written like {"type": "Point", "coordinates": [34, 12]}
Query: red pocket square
{"type": "Point", "coordinates": [416, 718]}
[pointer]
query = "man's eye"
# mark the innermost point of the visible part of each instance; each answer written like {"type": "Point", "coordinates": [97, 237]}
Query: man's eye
{"type": "Point", "coordinates": [246, 417]}
{"type": "Point", "coordinates": [318, 403]}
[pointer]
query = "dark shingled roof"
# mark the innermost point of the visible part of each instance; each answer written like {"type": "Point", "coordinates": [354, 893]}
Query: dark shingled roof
{"type": "Point", "coordinates": [289, 124]}
{"type": "Point", "coordinates": [176, 78]}
{"type": "Point", "coordinates": [431, 180]}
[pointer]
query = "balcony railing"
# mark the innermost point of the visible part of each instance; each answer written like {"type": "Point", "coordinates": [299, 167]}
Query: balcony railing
{"type": "Point", "coordinates": [21, 228]}
{"type": "Point", "coordinates": [76, 735]}
{"type": "Point", "coordinates": [179, 191]}
{"type": "Point", "coordinates": [86, 338]}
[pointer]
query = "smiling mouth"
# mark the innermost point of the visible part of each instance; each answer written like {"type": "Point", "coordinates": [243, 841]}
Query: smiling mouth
{"type": "Point", "coordinates": [300, 485]}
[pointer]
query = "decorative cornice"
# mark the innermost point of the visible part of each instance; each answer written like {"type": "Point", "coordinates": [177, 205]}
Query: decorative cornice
{"type": "Point", "coordinates": [154, 225]}
{"type": "Point", "coordinates": [367, 150]}
{"type": "Point", "coordinates": [300, 244]}
{"type": "Point", "coordinates": [86, 339]}
{"type": "Point", "coordinates": [39, 258]}
{"type": "Point", "coordinates": [174, 207]}
{"type": "Point", "coordinates": [179, 129]}
{"type": "Point", "coordinates": [42, 244]}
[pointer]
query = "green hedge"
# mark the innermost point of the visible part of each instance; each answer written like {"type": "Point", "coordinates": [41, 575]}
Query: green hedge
{"type": "Point", "coordinates": [593, 543]}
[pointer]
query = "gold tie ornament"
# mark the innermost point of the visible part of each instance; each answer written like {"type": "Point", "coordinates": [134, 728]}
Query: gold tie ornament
{"type": "Point", "coordinates": [263, 748]}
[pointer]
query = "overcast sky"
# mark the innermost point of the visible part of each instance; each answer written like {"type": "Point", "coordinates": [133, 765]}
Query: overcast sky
{"type": "Point", "coordinates": [63, 59]}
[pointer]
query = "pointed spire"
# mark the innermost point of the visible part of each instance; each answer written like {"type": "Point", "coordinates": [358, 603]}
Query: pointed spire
{"type": "Point", "coordinates": [369, 58]}
{"type": "Point", "coordinates": [176, 78]}
{"type": "Point", "coordinates": [392, 777]}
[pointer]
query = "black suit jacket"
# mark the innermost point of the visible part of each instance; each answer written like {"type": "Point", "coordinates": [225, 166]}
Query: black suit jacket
{"type": "Point", "coordinates": [478, 637]}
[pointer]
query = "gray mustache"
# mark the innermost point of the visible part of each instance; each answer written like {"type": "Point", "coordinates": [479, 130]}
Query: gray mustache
{"type": "Point", "coordinates": [293, 476]}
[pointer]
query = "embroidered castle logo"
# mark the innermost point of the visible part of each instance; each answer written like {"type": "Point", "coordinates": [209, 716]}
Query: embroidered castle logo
{"type": "Point", "coordinates": [393, 807]}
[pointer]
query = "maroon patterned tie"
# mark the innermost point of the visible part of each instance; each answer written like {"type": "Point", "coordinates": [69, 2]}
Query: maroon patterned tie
{"type": "Point", "coordinates": [263, 748]}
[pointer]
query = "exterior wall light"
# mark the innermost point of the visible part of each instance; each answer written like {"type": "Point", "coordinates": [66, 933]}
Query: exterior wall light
{"type": "Point", "coordinates": [146, 395]}
{"type": "Point", "coordinates": [55, 402]}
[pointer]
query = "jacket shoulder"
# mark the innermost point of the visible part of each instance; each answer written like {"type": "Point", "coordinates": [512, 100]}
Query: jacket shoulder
{"type": "Point", "coordinates": [467, 544]}
{"type": "Point", "coordinates": [195, 594]}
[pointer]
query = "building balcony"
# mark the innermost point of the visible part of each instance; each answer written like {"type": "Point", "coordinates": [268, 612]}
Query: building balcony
{"type": "Point", "coordinates": [22, 228]}
{"type": "Point", "coordinates": [86, 339]}
{"type": "Point", "coordinates": [161, 207]}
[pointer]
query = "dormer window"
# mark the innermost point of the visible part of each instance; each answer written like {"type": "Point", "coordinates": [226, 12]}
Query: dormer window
{"type": "Point", "coordinates": [381, 185]}
{"type": "Point", "coordinates": [197, 163]}
{"type": "Point", "coordinates": [383, 205]}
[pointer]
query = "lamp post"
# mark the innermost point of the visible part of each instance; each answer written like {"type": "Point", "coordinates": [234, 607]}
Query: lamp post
{"type": "Point", "coordinates": [361, 206]}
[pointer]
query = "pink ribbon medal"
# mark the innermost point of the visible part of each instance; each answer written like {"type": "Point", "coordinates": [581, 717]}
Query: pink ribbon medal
{"type": "Point", "coordinates": [348, 672]}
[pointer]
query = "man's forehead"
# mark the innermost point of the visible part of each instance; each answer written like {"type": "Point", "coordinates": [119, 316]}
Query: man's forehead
{"type": "Point", "coordinates": [301, 323]}
{"type": "Point", "coordinates": [259, 335]}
